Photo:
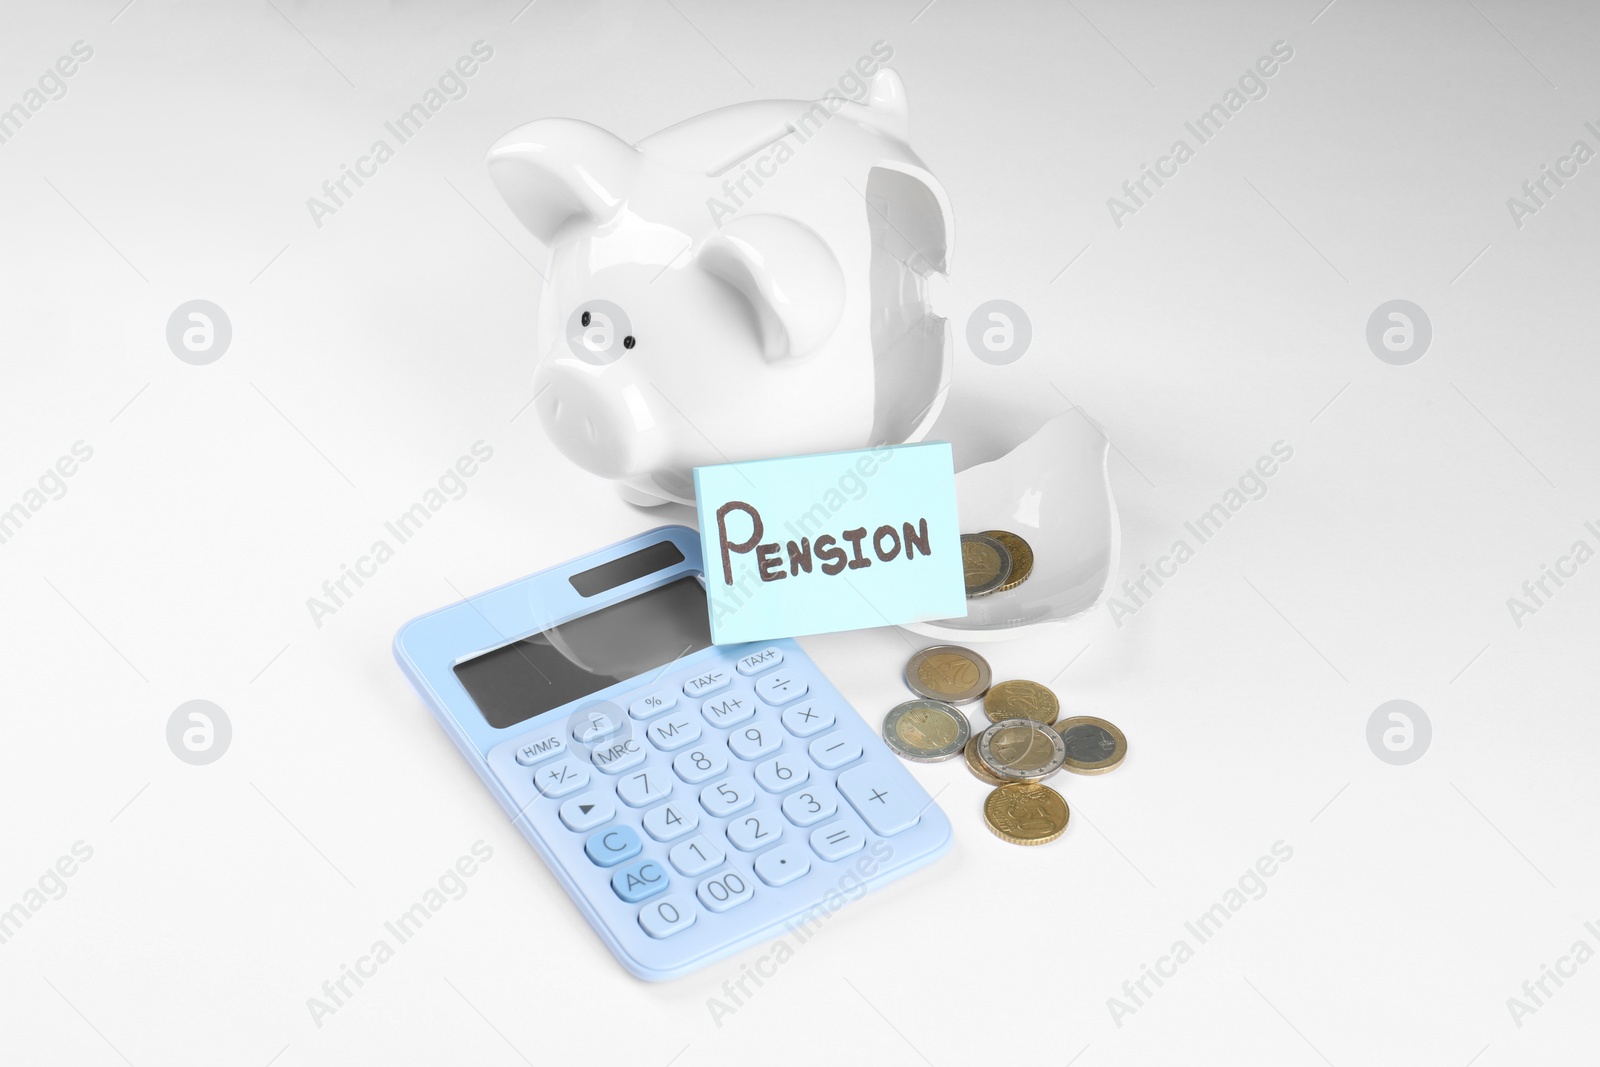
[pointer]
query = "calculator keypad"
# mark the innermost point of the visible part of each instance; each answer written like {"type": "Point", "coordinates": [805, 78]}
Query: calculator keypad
{"type": "Point", "coordinates": [740, 778]}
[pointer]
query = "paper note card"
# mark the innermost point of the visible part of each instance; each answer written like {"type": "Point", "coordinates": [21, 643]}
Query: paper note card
{"type": "Point", "coordinates": [836, 541]}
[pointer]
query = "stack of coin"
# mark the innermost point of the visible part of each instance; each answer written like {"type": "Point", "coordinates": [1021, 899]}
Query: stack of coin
{"type": "Point", "coordinates": [1025, 742]}
{"type": "Point", "coordinates": [995, 561]}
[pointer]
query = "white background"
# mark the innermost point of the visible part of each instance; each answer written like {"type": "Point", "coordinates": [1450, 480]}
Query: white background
{"type": "Point", "coordinates": [1227, 314]}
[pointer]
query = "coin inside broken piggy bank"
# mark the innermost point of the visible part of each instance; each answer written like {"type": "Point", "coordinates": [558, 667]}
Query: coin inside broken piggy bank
{"type": "Point", "coordinates": [1054, 492]}
{"type": "Point", "coordinates": [749, 283]}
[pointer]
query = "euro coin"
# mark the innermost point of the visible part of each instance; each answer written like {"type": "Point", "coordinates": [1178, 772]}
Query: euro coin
{"type": "Point", "coordinates": [1093, 746]}
{"type": "Point", "coordinates": [1021, 750]}
{"type": "Point", "coordinates": [1025, 813]}
{"type": "Point", "coordinates": [975, 765]}
{"type": "Point", "coordinates": [926, 731]}
{"type": "Point", "coordinates": [1021, 557]}
{"type": "Point", "coordinates": [949, 673]}
{"type": "Point", "coordinates": [1020, 699]}
{"type": "Point", "coordinates": [985, 563]}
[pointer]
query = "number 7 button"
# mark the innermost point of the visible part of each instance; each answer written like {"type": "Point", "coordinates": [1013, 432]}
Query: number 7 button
{"type": "Point", "coordinates": [885, 805]}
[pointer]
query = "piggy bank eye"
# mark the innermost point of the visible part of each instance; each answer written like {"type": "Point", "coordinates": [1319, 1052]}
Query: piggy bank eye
{"type": "Point", "coordinates": [585, 319]}
{"type": "Point", "coordinates": [627, 342]}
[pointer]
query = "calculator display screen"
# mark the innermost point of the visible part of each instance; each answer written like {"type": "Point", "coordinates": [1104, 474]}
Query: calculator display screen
{"type": "Point", "coordinates": [546, 670]}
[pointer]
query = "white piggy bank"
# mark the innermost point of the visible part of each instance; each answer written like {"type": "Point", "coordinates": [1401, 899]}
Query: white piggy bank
{"type": "Point", "coordinates": [749, 283]}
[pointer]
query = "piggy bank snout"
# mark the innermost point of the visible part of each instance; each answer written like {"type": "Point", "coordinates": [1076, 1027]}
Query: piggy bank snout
{"type": "Point", "coordinates": [601, 418]}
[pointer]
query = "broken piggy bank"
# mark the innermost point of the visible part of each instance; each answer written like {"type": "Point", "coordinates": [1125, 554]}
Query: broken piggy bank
{"type": "Point", "coordinates": [749, 283]}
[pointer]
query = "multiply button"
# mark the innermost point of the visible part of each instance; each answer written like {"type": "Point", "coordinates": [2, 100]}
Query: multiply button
{"type": "Point", "coordinates": [538, 749]}
{"type": "Point", "coordinates": [611, 847]}
{"type": "Point", "coordinates": [756, 662]}
{"type": "Point", "coordinates": [706, 682]}
{"type": "Point", "coordinates": [781, 688]}
{"type": "Point", "coordinates": [886, 806]}
{"type": "Point", "coordinates": [806, 719]}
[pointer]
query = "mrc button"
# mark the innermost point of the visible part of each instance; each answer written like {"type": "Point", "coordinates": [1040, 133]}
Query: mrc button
{"type": "Point", "coordinates": [540, 748]}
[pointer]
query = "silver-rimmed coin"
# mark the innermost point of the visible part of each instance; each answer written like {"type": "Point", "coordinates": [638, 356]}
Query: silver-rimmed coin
{"type": "Point", "coordinates": [926, 731]}
{"type": "Point", "coordinates": [949, 673]}
{"type": "Point", "coordinates": [1021, 750]}
{"type": "Point", "coordinates": [985, 564]}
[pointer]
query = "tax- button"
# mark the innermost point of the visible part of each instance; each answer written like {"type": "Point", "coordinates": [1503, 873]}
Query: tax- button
{"type": "Point", "coordinates": [538, 749]}
{"type": "Point", "coordinates": [781, 687]}
{"type": "Point", "coordinates": [640, 881]}
{"type": "Point", "coordinates": [587, 811]}
{"type": "Point", "coordinates": [706, 682]}
{"type": "Point", "coordinates": [611, 847]}
{"type": "Point", "coordinates": [756, 662]}
{"type": "Point", "coordinates": [887, 807]}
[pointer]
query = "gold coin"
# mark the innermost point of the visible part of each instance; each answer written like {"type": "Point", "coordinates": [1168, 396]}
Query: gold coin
{"type": "Point", "coordinates": [949, 673]}
{"type": "Point", "coordinates": [975, 765]}
{"type": "Point", "coordinates": [985, 564]}
{"type": "Point", "coordinates": [1021, 557]}
{"type": "Point", "coordinates": [1093, 745]}
{"type": "Point", "coordinates": [1026, 813]}
{"type": "Point", "coordinates": [1021, 699]}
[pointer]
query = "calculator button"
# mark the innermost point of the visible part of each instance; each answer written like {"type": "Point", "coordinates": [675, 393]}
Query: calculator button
{"type": "Point", "coordinates": [809, 807]}
{"type": "Point", "coordinates": [561, 777]}
{"type": "Point", "coordinates": [835, 841]}
{"type": "Point", "coordinates": [652, 704]}
{"type": "Point", "coordinates": [667, 916]}
{"type": "Point", "coordinates": [726, 890]}
{"type": "Point", "coordinates": [587, 811]}
{"type": "Point", "coordinates": [640, 881]}
{"type": "Point", "coordinates": [644, 786]}
{"type": "Point", "coordinates": [707, 682]}
{"type": "Point", "coordinates": [730, 708]}
{"type": "Point", "coordinates": [756, 740]}
{"type": "Point", "coordinates": [887, 808]}
{"type": "Point", "coordinates": [834, 750]}
{"type": "Point", "coordinates": [755, 831]}
{"type": "Point", "coordinates": [724, 798]}
{"type": "Point", "coordinates": [781, 688]}
{"type": "Point", "coordinates": [756, 662]}
{"type": "Point", "coordinates": [594, 726]}
{"type": "Point", "coordinates": [700, 763]}
{"type": "Point", "coordinates": [611, 847]}
{"type": "Point", "coordinates": [618, 756]}
{"type": "Point", "coordinates": [670, 821]}
{"type": "Point", "coordinates": [782, 865]}
{"type": "Point", "coordinates": [806, 719]}
{"type": "Point", "coordinates": [538, 749]}
{"type": "Point", "coordinates": [695, 856]}
{"type": "Point", "coordinates": [781, 774]}
{"type": "Point", "coordinates": [673, 732]}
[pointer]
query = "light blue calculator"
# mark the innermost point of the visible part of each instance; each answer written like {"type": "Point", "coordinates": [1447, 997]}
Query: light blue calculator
{"type": "Point", "coordinates": [693, 799]}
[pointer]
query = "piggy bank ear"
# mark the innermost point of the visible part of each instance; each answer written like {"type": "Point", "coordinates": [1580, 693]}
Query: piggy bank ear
{"type": "Point", "coordinates": [557, 171]}
{"type": "Point", "coordinates": [788, 275]}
